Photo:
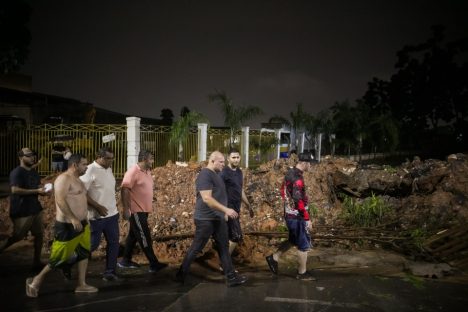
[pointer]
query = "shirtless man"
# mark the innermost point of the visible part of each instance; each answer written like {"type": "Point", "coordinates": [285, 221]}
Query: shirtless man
{"type": "Point", "coordinates": [72, 241]}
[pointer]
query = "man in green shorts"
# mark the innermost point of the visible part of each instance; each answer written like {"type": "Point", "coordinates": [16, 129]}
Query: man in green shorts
{"type": "Point", "coordinates": [72, 242]}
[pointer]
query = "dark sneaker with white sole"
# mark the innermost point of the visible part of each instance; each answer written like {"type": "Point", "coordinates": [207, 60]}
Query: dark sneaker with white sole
{"type": "Point", "coordinates": [127, 264]}
{"type": "Point", "coordinates": [236, 280]}
{"type": "Point", "coordinates": [110, 277]}
{"type": "Point", "coordinates": [306, 276]}
{"type": "Point", "coordinates": [272, 264]}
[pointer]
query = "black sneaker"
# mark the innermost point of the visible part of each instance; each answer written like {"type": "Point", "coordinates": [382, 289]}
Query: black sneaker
{"type": "Point", "coordinates": [127, 264]}
{"type": "Point", "coordinates": [306, 276]}
{"type": "Point", "coordinates": [236, 280]}
{"type": "Point", "coordinates": [110, 277]}
{"type": "Point", "coordinates": [157, 267]}
{"type": "Point", "coordinates": [272, 264]}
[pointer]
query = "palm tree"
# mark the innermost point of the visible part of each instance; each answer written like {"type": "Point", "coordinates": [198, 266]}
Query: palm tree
{"type": "Point", "coordinates": [180, 129]}
{"type": "Point", "coordinates": [234, 117]}
{"type": "Point", "coordinates": [297, 122]}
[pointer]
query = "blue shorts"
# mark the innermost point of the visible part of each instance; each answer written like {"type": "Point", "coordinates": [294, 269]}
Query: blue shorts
{"type": "Point", "coordinates": [299, 234]}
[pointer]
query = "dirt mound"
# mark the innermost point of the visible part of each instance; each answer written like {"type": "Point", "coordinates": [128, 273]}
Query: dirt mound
{"type": "Point", "coordinates": [427, 194]}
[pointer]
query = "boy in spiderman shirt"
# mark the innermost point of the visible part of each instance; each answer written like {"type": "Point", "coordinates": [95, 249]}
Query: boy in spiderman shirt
{"type": "Point", "coordinates": [297, 218]}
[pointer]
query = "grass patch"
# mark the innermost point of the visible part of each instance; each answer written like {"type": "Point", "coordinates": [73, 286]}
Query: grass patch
{"type": "Point", "coordinates": [365, 213]}
{"type": "Point", "coordinates": [417, 282]}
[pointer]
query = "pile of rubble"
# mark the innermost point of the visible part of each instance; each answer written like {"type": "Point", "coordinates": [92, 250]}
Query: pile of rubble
{"type": "Point", "coordinates": [427, 194]}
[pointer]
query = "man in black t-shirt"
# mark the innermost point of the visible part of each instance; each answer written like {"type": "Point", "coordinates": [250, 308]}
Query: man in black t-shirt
{"type": "Point", "coordinates": [210, 211]}
{"type": "Point", "coordinates": [25, 208]}
{"type": "Point", "coordinates": [233, 179]}
{"type": "Point", "coordinates": [57, 158]}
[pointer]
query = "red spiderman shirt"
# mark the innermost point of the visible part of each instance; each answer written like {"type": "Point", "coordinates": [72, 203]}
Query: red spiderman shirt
{"type": "Point", "coordinates": [294, 195]}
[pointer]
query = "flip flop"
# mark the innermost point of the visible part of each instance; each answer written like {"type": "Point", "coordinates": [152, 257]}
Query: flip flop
{"type": "Point", "coordinates": [31, 291]}
{"type": "Point", "coordinates": [86, 289]}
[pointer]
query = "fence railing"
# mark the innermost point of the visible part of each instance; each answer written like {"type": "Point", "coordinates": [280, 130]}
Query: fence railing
{"type": "Point", "coordinates": [88, 138]}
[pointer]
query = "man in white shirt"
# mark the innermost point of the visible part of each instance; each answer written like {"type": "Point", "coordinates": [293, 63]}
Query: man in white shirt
{"type": "Point", "coordinates": [102, 208]}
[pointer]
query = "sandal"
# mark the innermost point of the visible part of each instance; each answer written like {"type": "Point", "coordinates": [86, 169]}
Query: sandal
{"type": "Point", "coordinates": [86, 289]}
{"type": "Point", "coordinates": [31, 291]}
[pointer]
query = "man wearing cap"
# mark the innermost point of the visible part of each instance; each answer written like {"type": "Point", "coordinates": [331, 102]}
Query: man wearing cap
{"type": "Point", "coordinates": [25, 208]}
{"type": "Point", "coordinates": [297, 219]}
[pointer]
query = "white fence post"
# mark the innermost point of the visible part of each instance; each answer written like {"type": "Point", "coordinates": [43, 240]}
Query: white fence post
{"type": "Point", "coordinates": [318, 152]}
{"type": "Point", "coordinates": [245, 146]}
{"type": "Point", "coordinates": [301, 143]}
{"type": "Point", "coordinates": [202, 138]}
{"type": "Point", "coordinates": [133, 140]}
{"type": "Point", "coordinates": [278, 146]}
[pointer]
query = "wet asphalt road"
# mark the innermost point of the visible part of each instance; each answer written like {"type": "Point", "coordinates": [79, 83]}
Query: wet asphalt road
{"type": "Point", "coordinates": [205, 290]}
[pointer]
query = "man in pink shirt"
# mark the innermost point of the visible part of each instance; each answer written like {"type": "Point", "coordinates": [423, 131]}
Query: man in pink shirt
{"type": "Point", "coordinates": [137, 200]}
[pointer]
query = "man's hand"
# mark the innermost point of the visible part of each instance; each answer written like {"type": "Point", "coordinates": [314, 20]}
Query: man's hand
{"type": "Point", "coordinates": [41, 191]}
{"type": "Point", "coordinates": [231, 213]}
{"type": "Point", "coordinates": [126, 214]}
{"type": "Point", "coordinates": [76, 224]}
{"type": "Point", "coordinates": [309, 225]}
{"type": "Point", "coordinates": [101, 210]}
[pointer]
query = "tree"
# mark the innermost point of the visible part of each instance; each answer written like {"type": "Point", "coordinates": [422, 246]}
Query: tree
{"type": "Point", "coordinates": [429, 91]}
{"type": "Point", "coordinates": [234, 117]}
{"type": "Point", "coordinates": [345, 119]}
{"type": "Point", "coordinates": [184, 111]}
{"type": "Point", "coordinates": [180, 130]}
{"type": "Point", "coordinates": [16, 37]}
{"type": "Point", "coordinates": [322, 123]}
{"type": "Point", "coordinates": [167, 116]}
{"type": "Point", "coordinates": [299, 119]}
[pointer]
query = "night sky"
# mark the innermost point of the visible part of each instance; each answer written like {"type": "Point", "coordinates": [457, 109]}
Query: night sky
{"type": "Point", "coordinates": [138, 57]}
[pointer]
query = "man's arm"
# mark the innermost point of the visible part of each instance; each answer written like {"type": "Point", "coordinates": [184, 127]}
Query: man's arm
{"type": "Point", "coordinates": [98, 207]}
{"type": "Point", "coordinates": [126, 202]}
{"type": "Point", "coordinates": [246, 202]}
{"type": "Point", "coordinates": [87, 180]}
{"type": "Point", "coordinates": [209, 200]}
{"type": "Point", "coordinates": [62, 185]}
{"type": "Point", "coordinates": [21, 191]}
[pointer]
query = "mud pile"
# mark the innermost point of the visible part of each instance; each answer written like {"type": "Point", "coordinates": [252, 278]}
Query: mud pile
{"type": "Point", "coordinates": [430, 194]}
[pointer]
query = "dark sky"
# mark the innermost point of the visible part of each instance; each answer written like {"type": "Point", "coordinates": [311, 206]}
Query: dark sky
{"type": "Point", "coordinates": [137, 57]}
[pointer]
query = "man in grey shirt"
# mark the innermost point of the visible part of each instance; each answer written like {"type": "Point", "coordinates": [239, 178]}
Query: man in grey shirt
{"type": "Point", "coordinates": [210, 213]}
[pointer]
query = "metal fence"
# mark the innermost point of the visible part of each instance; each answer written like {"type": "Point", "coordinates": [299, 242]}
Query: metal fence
{"type": "Point", "coordinates": [88, 138]}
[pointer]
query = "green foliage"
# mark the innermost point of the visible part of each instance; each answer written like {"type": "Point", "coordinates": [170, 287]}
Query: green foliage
{"type": "Point", "coordinates": [368, 212]}
{"type": "Point", "coordinates": [264, 145]}
{"type": "Point", "coordinates": [417, 282]}
{"type": "Point", "coordinates": [418, 236]}
{"type": "Point", "coordinates": [234, 117]}
{"type": "Point", "coordinates": [313, 211]}
{"type": "Point", "coordinates": [389, 169]}
{"type": "Point", "coordinates": [282, 228]}
{"type": "Point", "coordinates": [180, 129]}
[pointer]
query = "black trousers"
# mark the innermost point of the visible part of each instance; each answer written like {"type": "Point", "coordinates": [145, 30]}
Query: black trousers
{"type": "Point", "coordinates": [204, 230]}
{"type": "Point", "coordinates": [139, 232]}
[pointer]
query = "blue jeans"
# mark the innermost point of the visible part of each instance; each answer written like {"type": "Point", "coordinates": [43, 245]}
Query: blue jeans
{"type": "Point", "coordinates": [204, 230]}
{"type": "Point", "coordinates": [110, 228]}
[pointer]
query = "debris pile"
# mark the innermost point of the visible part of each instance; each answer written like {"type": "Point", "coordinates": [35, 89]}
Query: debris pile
{"type": "Point", "coordinates": [425, 196]}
